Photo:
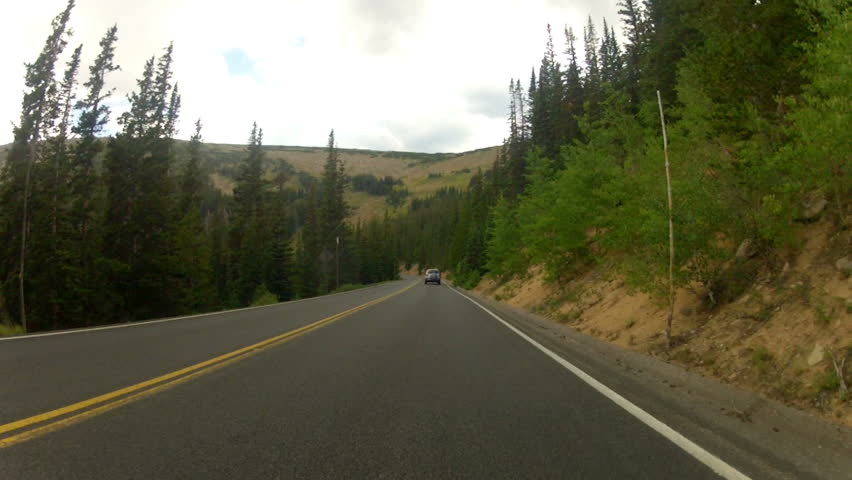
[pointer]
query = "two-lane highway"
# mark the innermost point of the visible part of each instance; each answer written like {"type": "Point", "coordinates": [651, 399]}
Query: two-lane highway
{"type": "Point", "coordinates": [420, 384]}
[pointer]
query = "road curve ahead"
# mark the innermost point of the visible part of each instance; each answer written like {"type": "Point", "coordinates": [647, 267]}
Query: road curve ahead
{"type": "Point", "coordinates": [421, 383]}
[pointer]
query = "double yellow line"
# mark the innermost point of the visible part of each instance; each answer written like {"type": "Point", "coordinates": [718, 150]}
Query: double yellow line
{"type": "Point", "coordinates": [62, 417]}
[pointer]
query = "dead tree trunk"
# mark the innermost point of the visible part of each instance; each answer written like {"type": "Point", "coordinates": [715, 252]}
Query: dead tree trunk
{"type": "Point", "coordinates": [671, 227]}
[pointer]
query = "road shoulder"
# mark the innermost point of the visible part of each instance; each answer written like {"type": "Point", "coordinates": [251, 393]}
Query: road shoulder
{"type": "Point", "coordinates": [763, 438]}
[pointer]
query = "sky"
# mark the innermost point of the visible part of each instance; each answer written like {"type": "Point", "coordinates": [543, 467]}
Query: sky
{"type": "Point", "coordinates": [408, 75]}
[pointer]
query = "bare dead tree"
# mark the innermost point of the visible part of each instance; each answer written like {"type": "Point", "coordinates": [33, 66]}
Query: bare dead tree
{"type": "Point", "coordinates": [671, 227]}
{"type": "Point", "coordinates": [838, 370]}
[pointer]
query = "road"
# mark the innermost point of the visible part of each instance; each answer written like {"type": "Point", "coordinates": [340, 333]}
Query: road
{"type": "Point", "coordinates": [421, 384]}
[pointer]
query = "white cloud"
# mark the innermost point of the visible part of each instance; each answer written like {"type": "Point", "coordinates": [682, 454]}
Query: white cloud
{"type": "Point", "coordinates": [386, 74]}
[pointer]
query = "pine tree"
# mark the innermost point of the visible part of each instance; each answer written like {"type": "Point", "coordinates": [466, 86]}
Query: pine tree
{"type": "Point", "coordinates": [308, 253]}
{"type": "Point", "coordinates": [510, 169]}
{"type": "Point", "coordinates": [280, 269]}
{"type": "Point", "coordinates": [93, 115]}
{"type": "Point", "coordinates": [37, 118]}
{"type": "Point", "coordinates": [574, 95]}
{"type": "Point", "coordinates": [247, 245]}
{"type": "Point", "coordinates": [191, 181]}
{"type": "Point", "coordinates": [333, 213]}
{"type": "Point", "coordinates": [139, 224]}
{"type": "Point", "coordinates": [220, 257]}
{"type": "Point", "coordinates": [592, 80]}
{"type": "Point", "coordinates": [669, 34]}
{"type": "Point", "coordinates": [52, 269]}
{"type": "Point", "coordinates": [192, 259]}
{"type": "Point", "coordinates": [610, 58]}
{"type": "Point", "coordinates": [634, 23]}
{"type": "Point", "coordinates": [530, 120]}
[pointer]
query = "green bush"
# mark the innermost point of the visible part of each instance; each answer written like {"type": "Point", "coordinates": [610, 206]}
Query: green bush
{"type": "Point", "coordinates": [262, 296]}
{"type": "Point", "coordinates": [7, 330]}
{"type": "Point", "coordinates": [732, 282]}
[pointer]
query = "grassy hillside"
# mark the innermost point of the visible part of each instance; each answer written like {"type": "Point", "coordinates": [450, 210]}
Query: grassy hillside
{"type": "Point", "coordinates": [421, 173]}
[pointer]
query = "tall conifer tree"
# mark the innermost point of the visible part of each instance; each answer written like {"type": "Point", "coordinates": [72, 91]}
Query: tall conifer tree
{"type": "Point", "coordinates": [38, 116]}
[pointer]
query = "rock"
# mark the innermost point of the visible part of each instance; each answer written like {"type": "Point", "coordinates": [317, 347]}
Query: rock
{"type": "Point", "coordinates": [816, 355]}
{"type": "Point", "coordinates": [812, 207]}
{"type": "Point", "coordinates": [746, 249]}
{"type": "Point", "coordinates": [844, 265]}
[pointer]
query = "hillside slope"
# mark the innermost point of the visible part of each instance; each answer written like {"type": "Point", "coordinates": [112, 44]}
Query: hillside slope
{"type": "Point", "coordinates": [420, 173]}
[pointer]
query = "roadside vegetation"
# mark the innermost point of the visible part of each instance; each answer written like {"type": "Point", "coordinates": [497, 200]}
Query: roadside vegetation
{"type": "Point", "coordinates": [757, 97]}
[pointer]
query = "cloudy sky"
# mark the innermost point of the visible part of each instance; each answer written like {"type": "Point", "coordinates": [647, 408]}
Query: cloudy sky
{"type": "Point", "coordinates": [417, 75]}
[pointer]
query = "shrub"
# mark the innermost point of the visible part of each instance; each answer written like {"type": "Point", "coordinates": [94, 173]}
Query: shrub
{"type": "Point", "coordinates": [827, 382]}
{"type": "Point", "coordinates": [262, 296]}
{"type": "Point", "coordinates": [7, 330]}
{"type": "Point", "coordinates": [761, 359]}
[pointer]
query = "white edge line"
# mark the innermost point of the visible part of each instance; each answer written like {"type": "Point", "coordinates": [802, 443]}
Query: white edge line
{"type": "Point", "coordinates": [172, 319]}
{"type": "Point", "coordinates": [715, 463]}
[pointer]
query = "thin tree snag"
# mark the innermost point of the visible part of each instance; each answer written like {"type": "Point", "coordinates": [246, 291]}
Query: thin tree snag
{"type": "Point", "coordinates": [671, 226]}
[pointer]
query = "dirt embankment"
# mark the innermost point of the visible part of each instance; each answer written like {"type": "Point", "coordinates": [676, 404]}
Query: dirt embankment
{"type": "Point", "coordinates": [780, 336]}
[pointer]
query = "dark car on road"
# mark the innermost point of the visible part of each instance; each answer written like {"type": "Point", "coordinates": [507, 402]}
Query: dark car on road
{"type": "Point", "coordinates": [433, 276]}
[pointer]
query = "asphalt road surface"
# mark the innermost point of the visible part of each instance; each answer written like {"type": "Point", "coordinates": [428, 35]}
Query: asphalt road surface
{"type": "Point", "coordinates": [421, 384]}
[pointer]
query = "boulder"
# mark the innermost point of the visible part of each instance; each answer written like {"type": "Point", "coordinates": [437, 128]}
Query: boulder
{"type": "Point", "coordinates": [844, 265]}
{"type": "Point", "coordinates": [816, 355]}
{"type": "Point", "coordinates": [812, 207]}
{"type": "Point", "coordinates": [746, 249]}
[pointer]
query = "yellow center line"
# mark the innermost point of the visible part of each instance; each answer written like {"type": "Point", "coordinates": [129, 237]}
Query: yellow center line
{"type": "Point", "coordinates": [162, 382]}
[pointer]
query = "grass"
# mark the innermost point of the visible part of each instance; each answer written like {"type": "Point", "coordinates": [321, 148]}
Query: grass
{"type": "Point", "coordinates": [569, 295]}
{"type": "Point", "coordinates": [827, 382]}
{"type": "Point", "coordinates": [366, 206]}
{"type": "Point", "coordinates": [823, 312]}
{"type": "Point", "coordinates": [433, 182]}
{"type": "Point", "coordinates": [761, 360]}
{"type": "Point", "coordinates": [346, 287]}
{"type": "Point", "coordinates": [7, 330]}
{"type": "Point", "coordinates": [765, 313]}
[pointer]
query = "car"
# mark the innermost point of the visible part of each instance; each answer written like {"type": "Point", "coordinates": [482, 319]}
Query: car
{"type": "Point", "coordinates": [433, 275]}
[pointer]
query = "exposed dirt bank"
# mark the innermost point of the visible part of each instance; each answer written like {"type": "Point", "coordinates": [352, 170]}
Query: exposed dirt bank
{"type": "Point", "coordinates": [780, 336]}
